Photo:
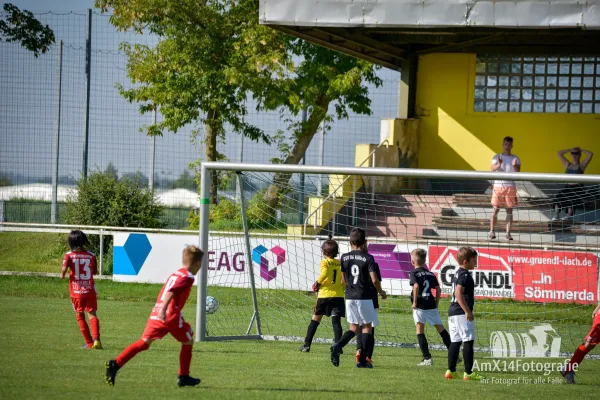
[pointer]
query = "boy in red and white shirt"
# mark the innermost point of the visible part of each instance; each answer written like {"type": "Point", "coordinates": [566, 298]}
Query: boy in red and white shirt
{"type": "Point", "coordinates": [82, 266]}
{"type": "Point", "coordinates": [166, 318]}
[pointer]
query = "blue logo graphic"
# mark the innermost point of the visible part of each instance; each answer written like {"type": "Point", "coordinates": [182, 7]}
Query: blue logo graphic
{"type": "Point", "coordinates": [129, 258]}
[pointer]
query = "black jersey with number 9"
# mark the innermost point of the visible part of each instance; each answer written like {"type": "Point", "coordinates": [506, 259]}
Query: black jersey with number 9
{"type": "Point", "coordinates": [356, 267]}
{"type": "Point", "coordinates": [426, 281]}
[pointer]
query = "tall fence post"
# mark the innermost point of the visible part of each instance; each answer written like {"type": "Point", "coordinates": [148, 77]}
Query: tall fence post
{"type": "Point", "coordinates": [239, 190]}
{"type": "Point", "coordinates": [302, 186]}
{"type": "Point", "coordinates": [101, 251]}
{"type": "Point", "coordinates": [321, 159]}
{"type": "Point", "coordinates": [152, 156]}
{"type": "Point", "coordinates": [2, 211]}
{"type": "Point", "coordinates": [56, 145]}
{"type": "Point", "coordinates": [88, 70]}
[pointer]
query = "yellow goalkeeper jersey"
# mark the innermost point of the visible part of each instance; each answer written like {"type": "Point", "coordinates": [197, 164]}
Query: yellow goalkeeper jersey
{"type": "Point", "coordinates": [330, 280]}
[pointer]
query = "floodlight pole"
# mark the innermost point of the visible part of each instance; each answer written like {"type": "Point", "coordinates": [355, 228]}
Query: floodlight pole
{"type": "Point", "coordinates": [56, 146]}
{"type": "Point", "coordinates": [203, 233]}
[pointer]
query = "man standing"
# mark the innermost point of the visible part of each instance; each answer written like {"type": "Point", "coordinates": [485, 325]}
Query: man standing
{"type": "Point", "coordinates": [504, 192]}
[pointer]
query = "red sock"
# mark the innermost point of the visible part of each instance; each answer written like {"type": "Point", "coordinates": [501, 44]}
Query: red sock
{"type": "Point", "coordinates": [577, 357]}
{"type": "Point", "coordinates": [131, 351]}
{"type": "Point", "coordinates": [85, 330]}
{"type": "Point", "coordinates": [185, 359]}
{"type": "Point", "coordinates": [95, 323]}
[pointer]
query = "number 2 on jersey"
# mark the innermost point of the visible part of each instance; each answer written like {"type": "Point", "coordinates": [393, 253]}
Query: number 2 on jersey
{"type": "Point", "coordinates": [82, 265]}
{"type": "Point", "coordinates": [355, 273]}
{"type": "Point", "coordinates": [426, 293]}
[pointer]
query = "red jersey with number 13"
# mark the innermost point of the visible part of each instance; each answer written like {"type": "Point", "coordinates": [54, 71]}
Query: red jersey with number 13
{"type": "Point", "coordinates": [180, 284]}
{"type": "Point", "coordinates": [82, 268]}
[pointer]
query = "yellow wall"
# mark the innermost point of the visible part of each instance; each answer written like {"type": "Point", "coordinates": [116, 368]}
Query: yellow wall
{"type": "Point", "coordinates": [453, 136]}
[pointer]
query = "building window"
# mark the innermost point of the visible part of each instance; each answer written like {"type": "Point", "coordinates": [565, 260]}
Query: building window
{"type": "Point", "coordinates": [537, 84]}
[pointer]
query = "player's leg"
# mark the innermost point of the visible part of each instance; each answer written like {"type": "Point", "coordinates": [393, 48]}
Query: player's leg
{"type": "Point", "coordinates": [91, 307]}
{"type": "Point", "coordinates": [423, 344]}
{"type": "Point", "coordinates": [493, 221]}
{"type": "Point", "coordinates": [371, 346]}
{"type": "Point", "coordinates": [467, 332]}
{"type": "Point", "coordinates": [337, 311]}
{"type": "Point", "coordinates": [336, 324]}
{"type": "Point", "coordinates": [353, 318]}
{"type": "Point", "coordinates": [591, 340]}
{"type": "Point", "coordinates": [78, 307]}
{"type": "Point", "coordinates": [454, 349]}
{"type": "Point", "coordinates": [183, 333]}
{"type": "Point", "coordinates": [366, 344]}
{"type": "Point", "coordinates": [443, 334]}
{"type": "Point", "coordinates": [154, 330]}
{"type": "Point", "coordinates": [312, 329]}
{"type": "Point", "coordinates": [358, 342]}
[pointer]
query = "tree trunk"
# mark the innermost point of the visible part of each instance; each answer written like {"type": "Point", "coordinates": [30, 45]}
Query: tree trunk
{"type": "Point", "coordinates": [281, 179]}
{"type": "Point", "coordinates": [212, 131]}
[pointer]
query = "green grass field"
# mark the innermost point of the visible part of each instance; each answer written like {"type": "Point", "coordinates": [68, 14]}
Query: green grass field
{"type": "Point", "coordinates": [41, 356]}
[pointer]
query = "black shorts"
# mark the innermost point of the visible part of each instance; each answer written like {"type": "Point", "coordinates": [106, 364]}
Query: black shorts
{"type": "Point", "coordinates": [331, 307]}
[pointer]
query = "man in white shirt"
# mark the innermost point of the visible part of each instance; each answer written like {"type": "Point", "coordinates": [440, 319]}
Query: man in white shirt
{"type": "Point", "coordinates": [504, 192]}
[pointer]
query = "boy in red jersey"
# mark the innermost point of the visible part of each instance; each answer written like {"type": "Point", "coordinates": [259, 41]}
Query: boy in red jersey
{"type": "Point", "coordinates": [166, 317]}
{"type": "Point", "coordinates": [591, 340]}
{"type": "Point", "coordinates": [82, 267]}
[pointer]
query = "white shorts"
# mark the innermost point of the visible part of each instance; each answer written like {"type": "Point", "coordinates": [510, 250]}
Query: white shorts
{"type": "Point", "coordinates": [461, 330]}
{"type": "Point", "coordinates": [360, 312]}
{"type": "Point", "coordinates": [431, 317]}
{"type": "Point", "coordinates": [376, 320]}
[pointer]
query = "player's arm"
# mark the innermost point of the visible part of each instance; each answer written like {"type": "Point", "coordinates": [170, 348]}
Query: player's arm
{"type": "Point", "coordinates": [94, 266]}
{"type": "Point", "coordinates": [415, 293]}
{"type": "Point", "coordinates": [596, 311]}
{"type": "Point", "coordinates": [162, 313]}
{"type": "Point", "coordinates": [377, 284]}
{"type": "Point", "coordinates": [65, 266]}
{"type": "Point", "coordinates": [587, 160]}
{"type": "Point", "coordinates": [324, 272]}
{"type": "Point", "coordinates": [460, 299]}
{"type": "Point", "coordinates": [563, 159]}
{"type": "Point", "coordinates": [438, 296]}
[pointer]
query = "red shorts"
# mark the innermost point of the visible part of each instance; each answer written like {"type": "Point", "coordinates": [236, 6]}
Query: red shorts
{"type": "Point", "coordinates": [593, 337]}
{"type": "Point", "coordinates": [88, 304]}
{"type": "Point", "coordinates": [178, 328]}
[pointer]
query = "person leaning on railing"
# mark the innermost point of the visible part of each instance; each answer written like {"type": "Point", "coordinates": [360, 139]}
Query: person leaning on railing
{"type": "Point", "coordinates": [573, 193]}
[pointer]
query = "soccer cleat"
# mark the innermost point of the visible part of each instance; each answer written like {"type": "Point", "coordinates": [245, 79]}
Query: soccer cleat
{"type": "Point", "coordinates": [97, 345]}
{"type": "Point", "coordinates": [304, 348]}
{"type": "Point", "coordinates": [111, 372]}
{"type": "Point", "coordinates": [426, 362]}
{"type": "Point", "coordinates": [569, 376]}
{"type": "Point", "coordinates": [335, 354]}
{"type": "Point", "coordinates": [450, 375]}
{"type": "Point", "coordinates": [357, 356]}
{"type": "Point", "coordinates": [86, 346]}
{"type": "Point", "coordinates": [186, 380]}
{"type": "Point", "coordinates": [364, 365]}
{"type": "Point", "coordinates": [473, 377]}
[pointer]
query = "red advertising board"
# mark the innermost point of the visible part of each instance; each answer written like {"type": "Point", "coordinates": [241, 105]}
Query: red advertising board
{"type": "Point", "coordinates": [524, 274]}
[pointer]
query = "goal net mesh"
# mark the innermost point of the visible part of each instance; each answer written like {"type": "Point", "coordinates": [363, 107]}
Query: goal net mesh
{"type": "Point", "coordinates": [538, 289]}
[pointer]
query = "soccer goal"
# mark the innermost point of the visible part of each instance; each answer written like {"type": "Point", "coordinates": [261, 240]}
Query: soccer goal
{"type": "Point", "coordinates": [535, 286]}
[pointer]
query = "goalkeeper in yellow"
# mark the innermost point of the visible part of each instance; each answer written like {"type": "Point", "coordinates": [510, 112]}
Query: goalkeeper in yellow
{"type": "Point", "coordinates": [330, 298]}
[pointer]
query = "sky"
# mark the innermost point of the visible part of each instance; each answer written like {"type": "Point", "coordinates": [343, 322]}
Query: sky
{"type": "Point", "coordinates": [29, 109]}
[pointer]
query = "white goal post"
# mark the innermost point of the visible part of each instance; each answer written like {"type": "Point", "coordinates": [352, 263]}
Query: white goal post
{"type": "Point", "coordinates": [251, 295]}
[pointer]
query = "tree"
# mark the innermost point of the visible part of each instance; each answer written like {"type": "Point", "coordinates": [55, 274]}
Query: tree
{"type": "Point", "coordinates": [185, 181]}
{"type": "Point", "coordinates": [22, 26]}
{"type": "Point", "coordinates": [5, 180]}
{"type": "Point", "coordinates": [200, 71]}
{"type": "Point", "coordinates": [323, 79]}
{"type": "Point", "coordinates": [112, 171]}
{"type": "Point", "coordinates": [136, 177]}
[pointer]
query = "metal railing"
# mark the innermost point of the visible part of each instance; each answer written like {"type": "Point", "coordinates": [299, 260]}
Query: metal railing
{"type": "Point", "coordinates": [371, 156]}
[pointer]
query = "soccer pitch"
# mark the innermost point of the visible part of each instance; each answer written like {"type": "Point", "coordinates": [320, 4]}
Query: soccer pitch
{"type": "Point", "coordinates": [41, 358]}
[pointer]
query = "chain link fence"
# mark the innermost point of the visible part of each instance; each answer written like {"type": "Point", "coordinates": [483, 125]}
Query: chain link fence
{"type": "Point", "coordinates": [44, 99]}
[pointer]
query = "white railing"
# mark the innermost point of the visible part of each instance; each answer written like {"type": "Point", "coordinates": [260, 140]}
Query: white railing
{"type": "Point", "coordinates": [371, 156]}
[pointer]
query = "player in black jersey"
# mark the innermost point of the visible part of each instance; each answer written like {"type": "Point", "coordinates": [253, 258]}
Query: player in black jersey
{"type": "Point", "coordinates": [358, 271]}
{"type": "Point", "coordinates": [460, 315]}
{"type": "Point", "coordinates": [425, 304]}
{"type": "Point", "coordinates": [375, 323]}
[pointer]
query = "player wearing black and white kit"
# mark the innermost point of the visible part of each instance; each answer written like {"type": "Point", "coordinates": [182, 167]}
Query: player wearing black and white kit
{"type": "Point", "coordinates": [460, 315]}
{"type": "Point", "coordinates": [375, 323]}
{"type": "Point", "coordinates": [358, 271]}
{"type": "Point", "coordinates": [425, 303]}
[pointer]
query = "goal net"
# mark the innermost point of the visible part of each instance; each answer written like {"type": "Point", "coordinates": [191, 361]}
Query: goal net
{"type": "Point", "coordinates": [536, 291]}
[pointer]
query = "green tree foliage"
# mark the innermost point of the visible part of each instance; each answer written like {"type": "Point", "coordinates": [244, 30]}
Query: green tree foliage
{"type": "Point", "coordinates": [23, 27]}
{"type": "Point", "coordinates": [5, 180]}
{"type": "Point", "coordinates": [112, 171]}
{"type": "Point", "coordinates": [105, 201]}
{"type": "Point", "coordinates": [184, 181]}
